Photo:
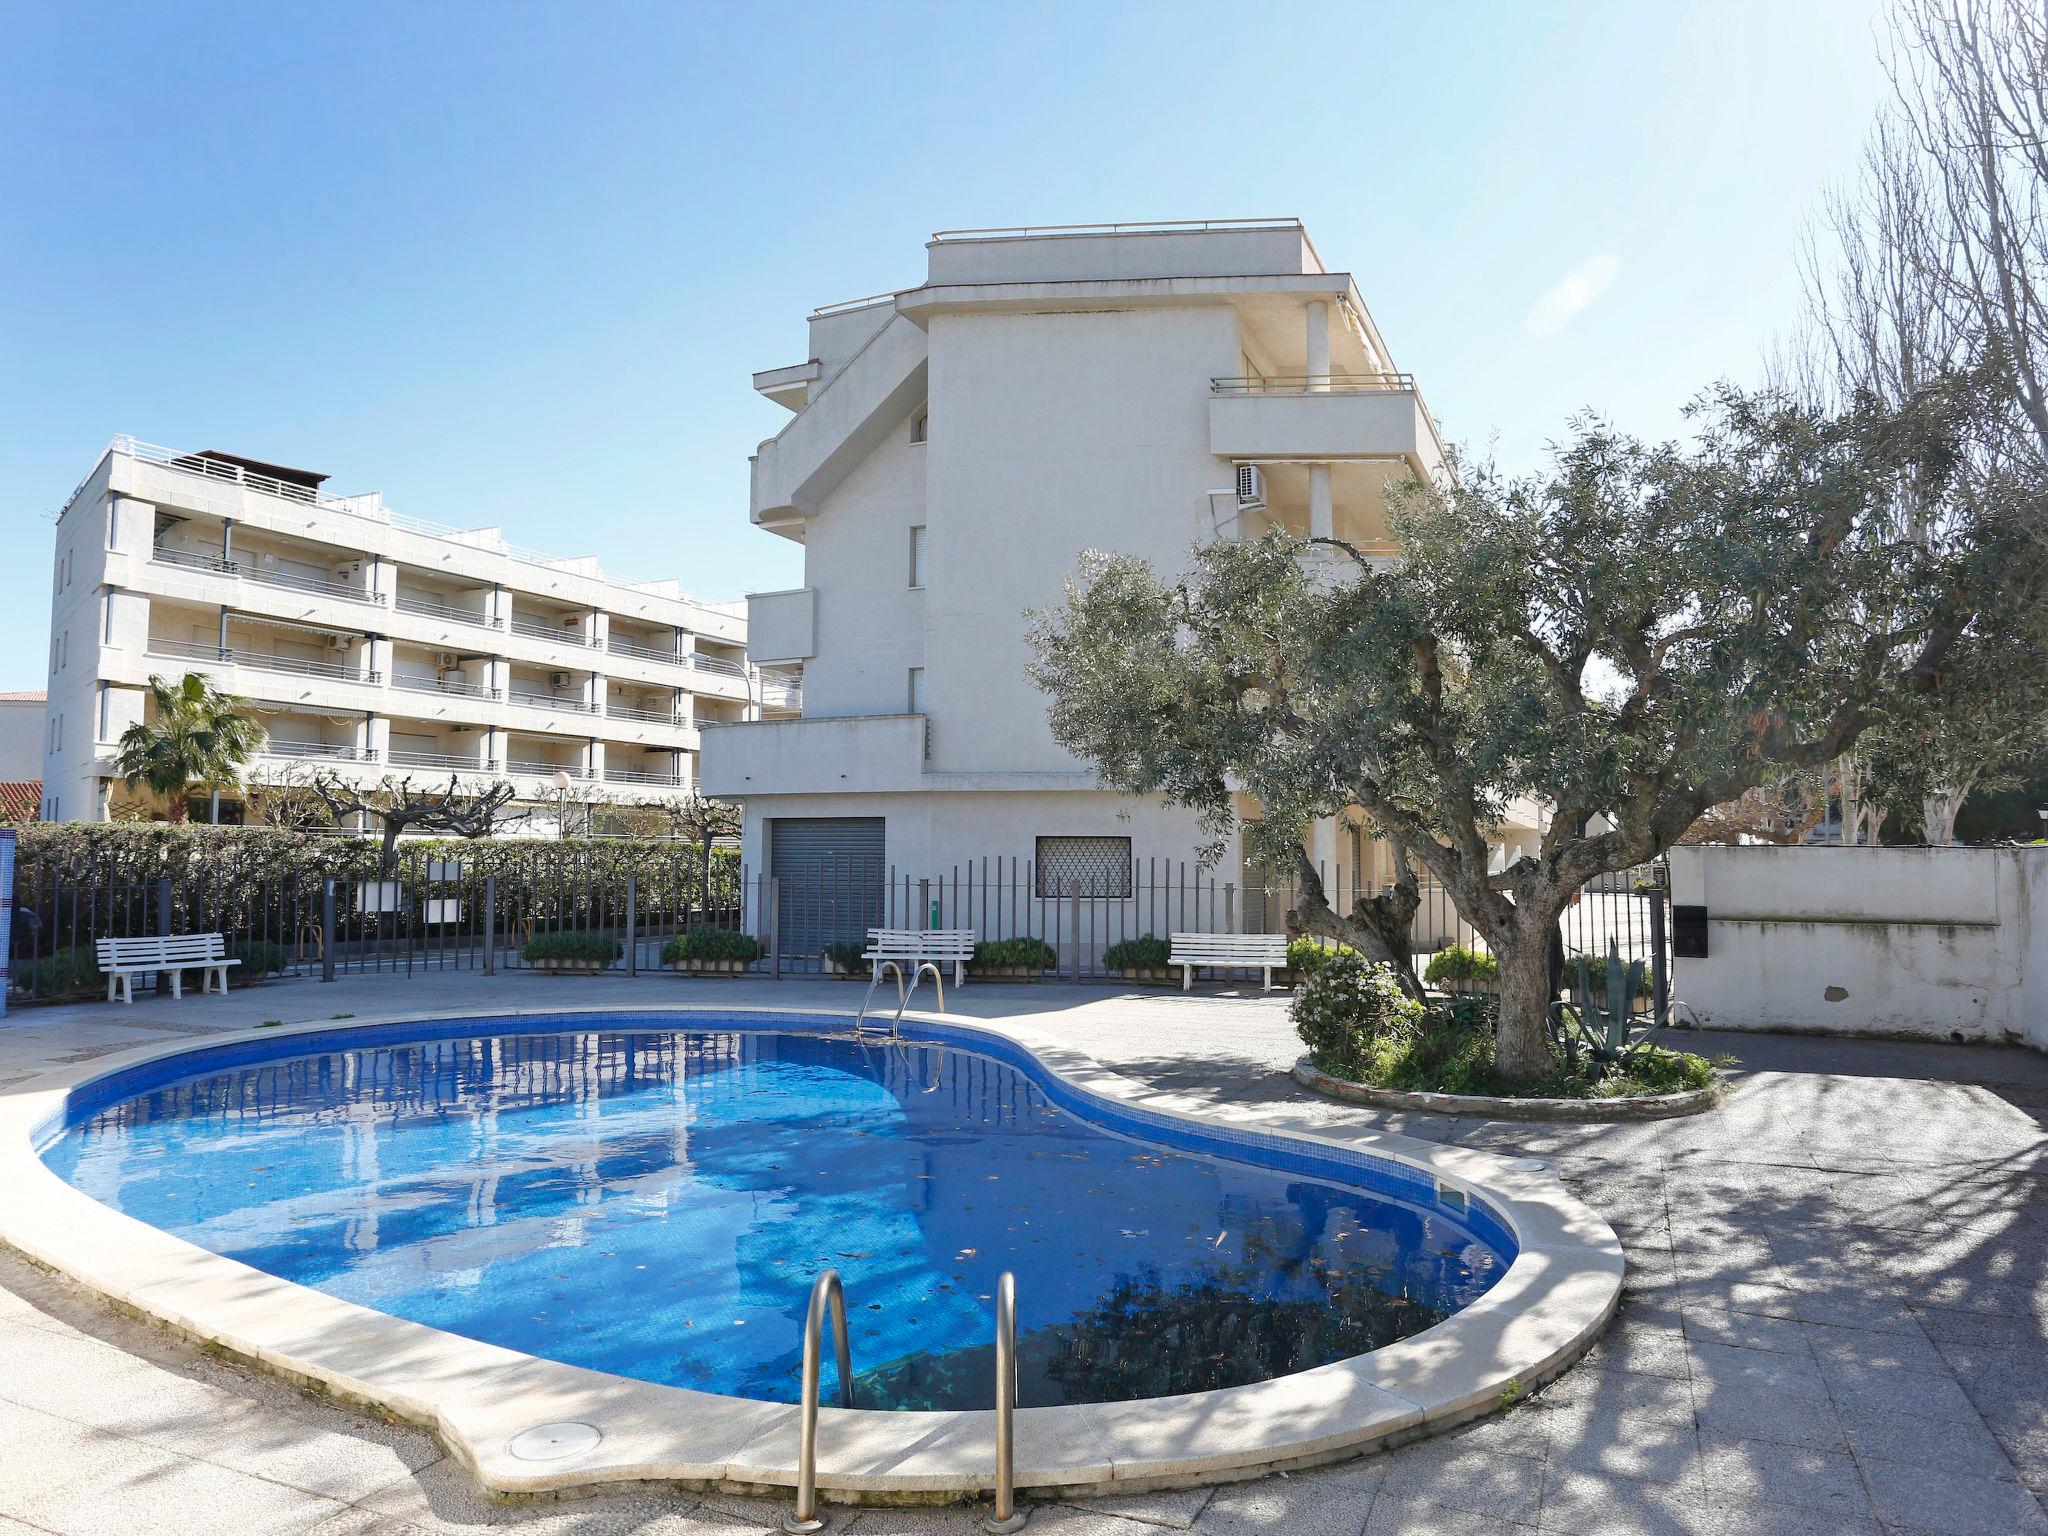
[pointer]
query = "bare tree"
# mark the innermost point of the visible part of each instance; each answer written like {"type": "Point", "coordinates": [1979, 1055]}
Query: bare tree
{"type": "Point", "coordinates": [456, 809]}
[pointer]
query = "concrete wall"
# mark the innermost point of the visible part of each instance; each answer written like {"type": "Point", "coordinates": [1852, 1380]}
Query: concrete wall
{"type": "Point", "coordinates": [1945, 943]}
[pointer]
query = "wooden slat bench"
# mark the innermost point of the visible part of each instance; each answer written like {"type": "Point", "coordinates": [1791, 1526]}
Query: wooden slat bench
{"type": "Point", "coordinates": [125, 959]}
{"type": "Point", "coordinates": [915, 946]}
{"type": "Point", "coordinates": [1262, 952]}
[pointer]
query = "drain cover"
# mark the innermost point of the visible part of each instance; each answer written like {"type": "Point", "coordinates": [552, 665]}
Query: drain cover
{"type": "Point", "coordinates": [1526, 1164]}
{"type": "Point", "coordinates": [552, 1442]}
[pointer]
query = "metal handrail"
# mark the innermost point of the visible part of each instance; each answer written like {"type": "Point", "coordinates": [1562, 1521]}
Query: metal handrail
{"type": "Point", "coordinates": [435, 609]}
{"type": "Point", "coordinates": [402, 757]}
{"type": "Point", "coordinates": [641, 776]}
{"type": "Point", "coordinates": [1007, 1516]}
{"type": "Point", "coordinates": [619, 647]}
{"type": "Point", "coordinates": [339, 754]}
{"type": "Point", "coordinates": [651, 716]}
{"type": "Point", "coordinates": [551, 701]}
{"type": "Point", "coordinates": [541, 629]}
{"type": "Point", "coordinates": [440, 685]}
{"type": "Point", "coordinates": [826, 1292]}
{"type": "Point", "coordinates": [1314, 384]}
{"type": "Point", "coordinates": [261, 661]}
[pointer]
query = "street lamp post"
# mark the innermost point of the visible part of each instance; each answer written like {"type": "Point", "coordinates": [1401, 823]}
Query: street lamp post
{"type": "Point", "coordinates": [561, 805]}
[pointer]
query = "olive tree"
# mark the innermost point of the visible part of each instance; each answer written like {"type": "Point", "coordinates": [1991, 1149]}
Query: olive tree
{"type": "Point", "coordinates": [1632, 637]}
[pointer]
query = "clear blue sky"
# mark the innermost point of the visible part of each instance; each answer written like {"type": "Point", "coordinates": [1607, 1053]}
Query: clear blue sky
{"type": "Point", "coordinates": [512, 263]}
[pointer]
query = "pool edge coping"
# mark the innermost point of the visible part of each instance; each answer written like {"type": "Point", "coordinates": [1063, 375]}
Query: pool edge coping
{"type": "Point", "coordinates": [1544, 1312]}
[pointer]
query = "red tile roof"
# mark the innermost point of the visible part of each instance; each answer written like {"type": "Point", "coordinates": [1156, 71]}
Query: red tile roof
{"type": "Point", "coordinates": [21, 800]}
{"type": "Point", "coordinates": [26, 696]}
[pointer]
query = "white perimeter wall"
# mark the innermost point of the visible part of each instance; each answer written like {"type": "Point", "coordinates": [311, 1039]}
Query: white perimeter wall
{"type": "Point", "coordinates": [1945, 943]}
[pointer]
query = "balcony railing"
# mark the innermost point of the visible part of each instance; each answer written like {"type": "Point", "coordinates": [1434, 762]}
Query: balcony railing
{"type": "Point", "coordinates": [620, 647]}
{"type": "Point", "coordinates": [717, 664]}
{"type": "Point", "coordinates": [541, 629]}
{"type": "Point", "coordinates": [781, 695]}
{"type": "Point", "coordinates": [651, 716]}
{"type": "Point", "coordinates": [456, 762]}
{"type": "Point", "coordinates": [1315, 384]}
{"type": "Point", "coordinates": [221, 565]}
{"type": "Point", "coordinates": [542, 770]}
{"type": "Point", "coordinates": [642, 776]}
{"type": "Point", "coordinates": [263, 661]}
{"type": "Point", "coordinates": [434, 609]}
{"type": "Point", "coordinates": [552, 701]}
{"type": "Point", "coordinates": [458, 688]}
{"type": "Point", "coordinates": [320, 749]}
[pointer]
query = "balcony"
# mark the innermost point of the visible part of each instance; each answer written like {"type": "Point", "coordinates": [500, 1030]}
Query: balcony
{"type": "Point", "coordinates": [620, 647]}
{"type": "Point", "coordinates": [551, 701]}
{"type": "Point", "coordinates": [543, 629]}
{"type": "Point", "coordinates": [319, 585]}
{"type": "Point", "coordinates": [718, 666]}
{"type": "Point", "coordinates": [432, 608]}
{"type": "Point", "coordinates": [642, 776]}
{"type": "Point", "coordinates": [456, 688]}
{"type": "Point", "coordinates": [262, 661]}
{"type": "Point", "coordinates": [534, 768]}
{"type": "Point", "coordinates": [451, 761]}
{"type": "Point", "coordinates": [782, 626]}
{"type": "Point", "coordinates": [1375, 416]}
{"type": "Point", "coordinates": [647, 716]}
{"type": "Point", "coordinates": [325, 751]}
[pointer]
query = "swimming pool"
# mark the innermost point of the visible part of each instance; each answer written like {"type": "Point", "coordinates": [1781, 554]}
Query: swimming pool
{"type": "Point", "coordinates": [651, 1195]}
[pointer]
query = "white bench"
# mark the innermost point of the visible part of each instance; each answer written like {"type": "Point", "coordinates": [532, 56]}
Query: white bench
{"type": "Point", "coordinates": [921, 946]}
{"type": "Point", "coordinates": [125, 959]}
{"type": "Point", "coordinates": [1263, 952]}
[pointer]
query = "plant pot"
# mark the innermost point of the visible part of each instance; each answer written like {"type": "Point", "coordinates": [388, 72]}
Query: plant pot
{"type": "Point", "coordinates": [1150, 976]}
{"type": "Point", "coordinates": [844, 972]}
{"type": "Point", "coordinates": [1470, 988]}
{"type": "Point", "coordinates": [1004, 972]}
{"type": "Point", "coordinates": [574, 967]}
{"type": "Point", "coordinates": [713, 967]}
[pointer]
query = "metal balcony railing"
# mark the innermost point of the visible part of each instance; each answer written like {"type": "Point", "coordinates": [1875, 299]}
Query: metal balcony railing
{"type": "Point", "coordinates": [552, 701]}
{"type": "Point", "coordinates": [620, 647]}
{"type": "Point", "coordinates": [434, 609]}
{"type": "Point", "coordinates": [223, 566]}
{"type": "Point", "coordinates": [192, 560]}
{"type": "Point", "coordinates": [651, 716]}
{"type": "Point", "coordinates": [401, 758]}
{"type": "Point", "coordinates": [717, 665]}
{"type": "Point", "coordinates": [320, 749]}
{"type": "Point", "coordinates": [781, 695]}
{"type": "Point", "coordinates": [457, 687]}
{"type": "Point", "coordinates": [642, 776]}
{"type": "Point", "coordinates": [541, 629]}
{"type": "Point", "coordinates": [263, 661]}
{"type": "Point", "coordinates": [1316, 384]}
{"type": "Point", "coordinates": [542, 770]}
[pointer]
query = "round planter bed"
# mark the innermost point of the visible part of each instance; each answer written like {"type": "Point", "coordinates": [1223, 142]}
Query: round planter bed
{"type": "Point", "coordinates": [1661, 1106]}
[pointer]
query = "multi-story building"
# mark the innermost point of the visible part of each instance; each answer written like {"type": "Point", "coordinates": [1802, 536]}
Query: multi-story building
{"type": "Point", "coordinates": [958, 444]}
{"type": "Point", "coordinates": [369, 643]}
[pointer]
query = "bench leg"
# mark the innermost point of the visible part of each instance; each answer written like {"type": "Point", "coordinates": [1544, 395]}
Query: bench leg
{"type": "Point", "coordinates": [1187, 978]}
{"type": "Point", "coordinates": [177, 983]}
{"type": "Point", "coordinates": [1266, 979]}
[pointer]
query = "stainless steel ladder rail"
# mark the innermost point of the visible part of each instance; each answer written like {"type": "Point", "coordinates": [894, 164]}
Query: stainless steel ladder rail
{"type": "Point", "coordinates": [1007, 1516]}
{"type": "Point", "coordinates": [902, 997]}
{"type": "Point", "coordinates": [826, 1292]}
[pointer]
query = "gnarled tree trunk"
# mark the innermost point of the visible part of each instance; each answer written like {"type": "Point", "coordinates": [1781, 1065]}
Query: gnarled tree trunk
{"type": "Point", "coordinates": [1378, 926]}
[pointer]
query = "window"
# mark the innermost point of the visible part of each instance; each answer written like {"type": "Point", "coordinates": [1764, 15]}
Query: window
{"type": "Point", "coordinates": [1084, 866]}
{"type": "Point", "coordinates": [917, 690]}
{"type": "Point", "coordinates": [917, 555]}
{"type": "Point", "coordinates": [920, 426]}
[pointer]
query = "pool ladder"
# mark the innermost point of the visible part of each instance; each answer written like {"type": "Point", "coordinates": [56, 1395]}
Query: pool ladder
{"type": "Point", "coordinates": [827, 1294]}
{"type": "Point", "coordinates": [902, 997]}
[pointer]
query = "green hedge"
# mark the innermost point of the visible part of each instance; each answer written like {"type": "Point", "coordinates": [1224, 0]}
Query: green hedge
{"type": "Point", "coordinates": [64, 973]}
{"type": "Point", "coordinates": [1029, 953]}
{"type": "Point", "coordinates": [1457, 963]}
{"type": "Point", "coordinates": [601, 947]}
{"type": "Point", "coordinates": [847, 954]}
{"type": "Point", "coordinates": [1307, 956]}
{"type": "Point", "coordinates": [706, 943]}
{"type": "Point", "coordinates": [1149, 953]}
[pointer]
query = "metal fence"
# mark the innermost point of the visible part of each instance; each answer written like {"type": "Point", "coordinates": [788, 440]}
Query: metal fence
{"type": "Point", "coordinates": [451, 914]}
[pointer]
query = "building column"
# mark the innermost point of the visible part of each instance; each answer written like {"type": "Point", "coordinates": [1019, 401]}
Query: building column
{"type": "Point", "coordinates": [1322, 852]}
{"type": "Point", "coordinates": [377, 652]}
{"type": "Point", "coordinates": [593, 758]}
{"type": "Point", "coordinates": [1319, 345]}
{"type": "Point", "coordinates": [227, 541]}
{"type": "Point", "coordinates": [498, 608]}
{"type": "Point", "coordinates": [1322, 508]}
{"type": "Point", "coordinates": [597, 628]}
{"type": "Point", "coordinates": [378, 731]}
{"type": "Point", "coordinates": [593, 692]}
{"type": "Point", "coordinates": [679, 706]}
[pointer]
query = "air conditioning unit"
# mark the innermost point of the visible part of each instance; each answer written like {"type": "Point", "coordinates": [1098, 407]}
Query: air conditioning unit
{"type": "Point", "coordinates": [447, 661]}
{"type": "Point", "coordinates": [559, 679]}
{"type": "Point", "coordinates": [338, 642]}
{"type": "Point", "coordinates": [1251, 486]}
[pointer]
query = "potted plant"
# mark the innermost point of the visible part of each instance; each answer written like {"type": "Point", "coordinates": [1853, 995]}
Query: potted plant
{"type": "Point", "coordinates": [1141, 959]}
{"type": "Point", "coordinates": [557, 953]}
{"type": "Point", "coordinates": [846, 958]}
{"type": "Point", "coordinates": [707, 951]}
{"type": "Point", "coordinates": [1458, 970]}
{"type": "Point", "coordinates": [1018, 959]}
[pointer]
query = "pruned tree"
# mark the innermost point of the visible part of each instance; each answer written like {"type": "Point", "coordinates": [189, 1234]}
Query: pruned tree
{"type": "Point", "coordinates": [456, 809]}
{"type": "Point", "coordinates": [1636, 636]}
{"type": "Point", "coordinates": [1780, 811]}
{"type": "Point", "coordinates": [703, 822]}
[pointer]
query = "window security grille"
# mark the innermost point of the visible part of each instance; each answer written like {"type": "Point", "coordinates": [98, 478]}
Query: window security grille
{"type": "Point", "coordinates": [1091, 867]}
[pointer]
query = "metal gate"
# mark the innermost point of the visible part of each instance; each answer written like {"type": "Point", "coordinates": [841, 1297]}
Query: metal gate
{"type": "Point", "coordinates": [833, 877]}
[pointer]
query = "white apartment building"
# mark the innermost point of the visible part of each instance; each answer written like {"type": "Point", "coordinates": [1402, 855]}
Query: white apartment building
{"type": "Point", "coordinates": [954, 449]}
{"type": "Point", "coordinates": [368, 642]}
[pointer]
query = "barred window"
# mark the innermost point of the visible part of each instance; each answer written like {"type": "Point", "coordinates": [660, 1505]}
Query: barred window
{"type": "Point", "coordinates": [1084, 866]}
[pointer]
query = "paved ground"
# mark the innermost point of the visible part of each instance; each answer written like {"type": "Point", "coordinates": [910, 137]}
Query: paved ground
{"type": "Point", "coordinates": [1837, 1317]}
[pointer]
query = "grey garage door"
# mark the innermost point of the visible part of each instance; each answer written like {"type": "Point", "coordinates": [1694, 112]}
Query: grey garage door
{"type": "Point", "coordinates": [832, 872]}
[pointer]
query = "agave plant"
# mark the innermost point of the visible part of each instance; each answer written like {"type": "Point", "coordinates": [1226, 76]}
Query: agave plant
{"type": "Point", "coordinates": [1599, 1022]}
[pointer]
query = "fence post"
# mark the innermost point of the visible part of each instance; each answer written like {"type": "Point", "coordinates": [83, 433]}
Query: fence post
{"type": "Point", "coordinates": [1660, 975]}
{"type": "Point", "coordinates": [924, 904]}
{"type": "Point", "coordinates": [632, 925]}
{"type": "Point", "coordinates": [1229, 907]}
{"type": "Point", "coordinates": [327, 929]}
{"type": "Point", "coordinates": [490, 925]}
{"type": "Point", "coordinates": [1074, 935]}
{"type": "Point", "coordinates": [774, 915]}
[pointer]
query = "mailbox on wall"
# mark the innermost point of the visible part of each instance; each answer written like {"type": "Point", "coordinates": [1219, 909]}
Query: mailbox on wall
{"type": "Point", "coordinates": [1688, 932]}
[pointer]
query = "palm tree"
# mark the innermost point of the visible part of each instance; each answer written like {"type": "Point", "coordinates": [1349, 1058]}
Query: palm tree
{"type": "Point", "coordinates": [199, 738]}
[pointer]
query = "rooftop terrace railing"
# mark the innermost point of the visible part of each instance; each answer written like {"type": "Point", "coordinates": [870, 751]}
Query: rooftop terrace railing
{"type": "Point", "coordinates": [1143, 227]}
{"type": "Point", "coordinates": [1315, 384]}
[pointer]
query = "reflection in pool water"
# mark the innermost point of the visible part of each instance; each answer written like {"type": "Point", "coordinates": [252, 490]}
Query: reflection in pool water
{"type": "Point", "coordinates": [655, 1200]}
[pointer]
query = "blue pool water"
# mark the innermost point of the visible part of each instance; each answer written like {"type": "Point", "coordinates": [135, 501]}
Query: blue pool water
{"type": "Point", "coordinates": [653, 1194]}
